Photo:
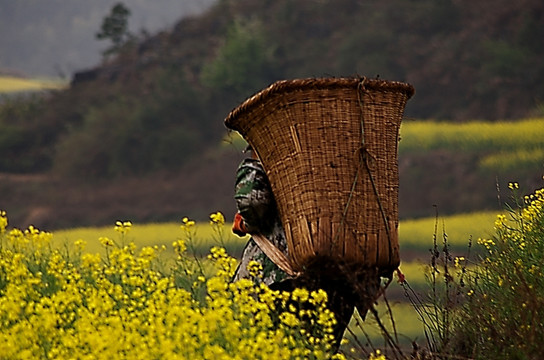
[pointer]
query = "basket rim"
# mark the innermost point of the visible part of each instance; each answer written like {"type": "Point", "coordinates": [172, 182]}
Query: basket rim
{"type": "Point", "coordinates": [284, 86]}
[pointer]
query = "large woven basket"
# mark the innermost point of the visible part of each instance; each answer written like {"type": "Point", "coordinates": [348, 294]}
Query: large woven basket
{"type": "Point", "coordinates": [329, 148]}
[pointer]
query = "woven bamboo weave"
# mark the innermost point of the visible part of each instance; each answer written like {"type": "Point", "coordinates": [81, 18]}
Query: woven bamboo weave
{"type": "Point", "coordinates": [329, 148]}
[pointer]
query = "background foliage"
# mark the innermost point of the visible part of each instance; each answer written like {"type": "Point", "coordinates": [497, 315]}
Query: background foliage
{"type": "Point", "coordinates": [190, 77]}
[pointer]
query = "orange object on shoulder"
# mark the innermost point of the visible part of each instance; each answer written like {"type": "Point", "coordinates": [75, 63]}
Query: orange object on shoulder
{"type": "Point", "coordinates": [238, 226]}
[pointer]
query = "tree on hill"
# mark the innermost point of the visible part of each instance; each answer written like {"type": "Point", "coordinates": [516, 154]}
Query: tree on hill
{"type": "Point", "coordinates": [115, 28]}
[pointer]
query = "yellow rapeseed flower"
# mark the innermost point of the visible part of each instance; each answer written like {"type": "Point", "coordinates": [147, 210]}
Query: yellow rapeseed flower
{"type": "Point", "coordinates": [3, 221]}
{"type": "Point", "coordinates": [105, 241]}
{"type": "Point", "coordinates": [458, 260]}
{"type": "Point", "coordinates": [123, 227]}
{"type": "Point", "coordinates": [254, 268]}
{"type": "Point", "coordinates": [80, 244]}
{"type": "Point", "coordinates": [488, 243]}
{"type": "Point", "coordinates": [188, 223]}
{"type": "Point", "coordinates": [188, 226]}
{"type": "Point", "coordinates": [217, 219]}
{"type": "Point", "coordinates": [377, 356]}
{"type": "Point", "coordinates": [513, 185]}
{"type": "Point", "coordinates": [179, 246]}
{"type": "Point", "coordinates": [301, 295]}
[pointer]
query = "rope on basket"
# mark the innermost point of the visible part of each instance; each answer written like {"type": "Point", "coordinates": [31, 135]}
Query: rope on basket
{"type": "Point", "coordinates": [360, 87]}
{"type": "Point", "coordinates": [364, 155]}
{"type": "Point", "coordinates": [363, 152]}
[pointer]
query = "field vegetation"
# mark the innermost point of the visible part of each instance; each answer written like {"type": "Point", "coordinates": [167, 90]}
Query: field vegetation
{"type": "Point", "coordinates": [415, 238]}
{"type": "Point", "coordinates": [57, 303]}
{"type": "Point", "coordinates": [485, 304]}
{"type": "Point", "coordinates": [62, 276]}
{"type": "Point", "coordinates": [205, 236]}
{"type": "Point", "coordinates": [11, 84]}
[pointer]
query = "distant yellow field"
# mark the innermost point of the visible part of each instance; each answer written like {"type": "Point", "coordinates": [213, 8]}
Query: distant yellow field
{"type": "Point", "coordinates": [10, 84]}
{"type": "Point", "coordinates": [475, 136]}
{"type": "Point", "coordinates": [152, 234]}
{"type": "Point", "coordinates": [416, 234]}
{"type": "Point", "coordinates": [459, 228]}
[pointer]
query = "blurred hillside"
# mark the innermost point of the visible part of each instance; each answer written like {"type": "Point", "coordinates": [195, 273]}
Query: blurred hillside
{"type": "Point", "coordinates": [157, 106]}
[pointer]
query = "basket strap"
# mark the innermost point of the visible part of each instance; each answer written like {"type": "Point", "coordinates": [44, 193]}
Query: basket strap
{"type": "Point", "coordinates": [274, 254]}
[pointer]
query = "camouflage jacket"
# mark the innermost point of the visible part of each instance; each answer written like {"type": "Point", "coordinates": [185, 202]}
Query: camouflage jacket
{"type": "Point", "coordinates": [257, 208]}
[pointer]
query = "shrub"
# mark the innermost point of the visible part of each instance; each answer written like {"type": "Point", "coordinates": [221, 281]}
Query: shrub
{"type": "Point", "coordinates": [244, 63]}
{"type": "Point", "coordinates": [491, 308]}
{"type": "Point", "coordinates": [503, 313]}
{"type": "Point", "coordinates": [23, 140]}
